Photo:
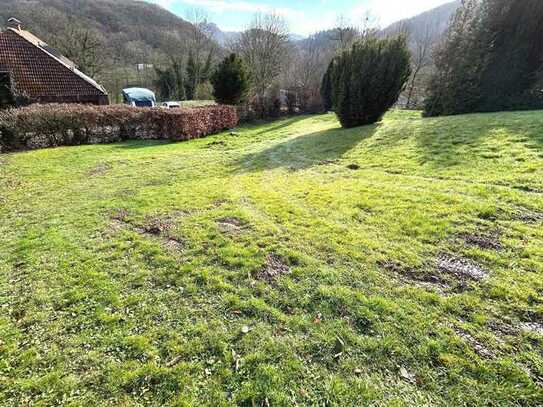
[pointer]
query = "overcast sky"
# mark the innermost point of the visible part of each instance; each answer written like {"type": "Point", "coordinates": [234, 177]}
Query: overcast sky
{"type": "Point", "coordinates": [304, 16]}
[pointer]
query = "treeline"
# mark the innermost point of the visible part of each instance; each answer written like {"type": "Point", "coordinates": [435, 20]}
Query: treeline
{"type": "Point", "coordinates": [124, 43]}
{"type": "Point", "coordinates": [490, 60]}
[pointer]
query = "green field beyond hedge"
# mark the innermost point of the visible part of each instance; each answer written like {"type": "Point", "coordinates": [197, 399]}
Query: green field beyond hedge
{"type": "Point", "coordinates": [288, 263]}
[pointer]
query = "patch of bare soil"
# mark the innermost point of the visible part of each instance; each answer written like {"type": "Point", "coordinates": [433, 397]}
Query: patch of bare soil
{"type": "Point", "coordinates": [220, 143]}
{"type": "Point", "coordinates": [119, 220]}
{"type": "Point", "coordinates": [327, 162]}
{"type": "Point", "coordinates": [529, 216]}
{"type": "Point", "coordinates": [231, 225]}
{"type": "Point", "coordinates": [488, 242]}
{"type": "Point", "coordinates": [477, 346]}
{"type": "Point", "coordinates": [274, 268]}
{"type": "Point", "coordinates": [156, 226]}
{"type": "Point", "coordinates": [501, 328]}
{"type": "Point", "coordinates": [120, 215]}
{"type": "Point", "coordinates": [460, 268]}
{"type": "Point", "coordinates": [421, 279]}
{"type": "Point", "coordinates": [532, 327]}
{"type": "Point", "coordinates": [99, 170]}
{"type": "Point", "coordinates": [173, 245]}
{"type": "Point", "coordinates": [219, 202]}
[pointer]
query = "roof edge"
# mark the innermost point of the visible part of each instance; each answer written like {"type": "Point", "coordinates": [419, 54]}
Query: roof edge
{"type": "Point", "coordinates": [83, 76]}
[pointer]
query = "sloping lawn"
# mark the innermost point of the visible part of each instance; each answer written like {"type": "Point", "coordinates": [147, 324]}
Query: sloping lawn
{"type": "Point", "coordinates": [292, 263]}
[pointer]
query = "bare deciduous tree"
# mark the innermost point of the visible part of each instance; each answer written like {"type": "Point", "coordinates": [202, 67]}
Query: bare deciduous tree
{"type": "Point", "coordinates": [421, 42]}
{"type": "Point", "coordinates": [84, 47]}
{"type": "Point", "coordinates": [303, 75]}
{"type": "Point", "coordinates": [201, 48]}
{"type": "Point", "coordinates": [346, 32]}
{"type": "Point", "coordinates": [264, 48]}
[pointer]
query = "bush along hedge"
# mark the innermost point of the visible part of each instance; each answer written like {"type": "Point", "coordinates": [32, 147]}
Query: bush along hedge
{"type": "Point", "coordinates": [40, 126]}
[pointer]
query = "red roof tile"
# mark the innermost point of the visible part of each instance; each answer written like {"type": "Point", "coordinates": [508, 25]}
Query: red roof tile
{"type": "Point", "coordinates": [41, 75]}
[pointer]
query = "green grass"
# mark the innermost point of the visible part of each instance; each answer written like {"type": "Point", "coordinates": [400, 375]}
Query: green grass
{"type": "Point", "coordinates": [99, 308]}
{"type": "Point", "coordinates": [197, 103]}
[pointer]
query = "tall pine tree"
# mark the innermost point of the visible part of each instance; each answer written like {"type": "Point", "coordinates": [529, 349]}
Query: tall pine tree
{"type": "Point", "coordinates": [326, 87]}
{"type": "Point", "coordinates": [491, 59]}
{"type": "Point", "coordinates": [192, 77]}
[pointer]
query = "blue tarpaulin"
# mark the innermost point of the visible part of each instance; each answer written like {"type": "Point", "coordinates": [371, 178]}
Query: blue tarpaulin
{"type": "Point", "coordinates": [139, 97]}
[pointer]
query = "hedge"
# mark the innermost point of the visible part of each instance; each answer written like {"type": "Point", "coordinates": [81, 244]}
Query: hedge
{"type": "Point", "coordinates": [40, 126]}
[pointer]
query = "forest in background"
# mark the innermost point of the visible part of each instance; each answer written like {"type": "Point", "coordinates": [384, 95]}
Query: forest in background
{"type": "Point", "coordinates": [133, 43]}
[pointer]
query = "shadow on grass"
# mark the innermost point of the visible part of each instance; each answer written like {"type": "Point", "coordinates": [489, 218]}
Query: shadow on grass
{"type": "Point", "coordinates": [281, 124]}
{"type": "Point", "coordinates": [449, 141]}
{"type": "Point", "coordinates": [454, 140]}
{"type": "Point", "coordinates": [444, 142]}
{"type": "Point", "coordinates": [306, 150]}
{"type": "Point", "coordinates": [137, 144]}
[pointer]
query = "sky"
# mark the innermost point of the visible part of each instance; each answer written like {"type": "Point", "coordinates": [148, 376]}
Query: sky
{"type": "Point", "coordinates": [304, 17]}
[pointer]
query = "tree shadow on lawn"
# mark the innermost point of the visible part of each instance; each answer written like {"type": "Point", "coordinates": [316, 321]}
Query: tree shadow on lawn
{"type": "Point", "coordinates": [137, 144]}
{"type": "Point", "coordinates": [306, 151]}
{"type": "Point", "coordinates": [449, 141]}
{"type": "Point", "coordinates": [442, 142]}
{"type": "Point", "coordinates": [281, 124]}
{"type": "Point", "coordinates": [465, 139]}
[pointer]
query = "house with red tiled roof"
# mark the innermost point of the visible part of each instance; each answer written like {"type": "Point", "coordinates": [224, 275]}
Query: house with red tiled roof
{"type": "Point", "coordinates": [41, 74]}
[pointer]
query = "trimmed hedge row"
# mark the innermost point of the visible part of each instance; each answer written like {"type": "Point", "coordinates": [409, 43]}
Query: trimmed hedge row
{"type": "Point", "coordinates": [40, 126]}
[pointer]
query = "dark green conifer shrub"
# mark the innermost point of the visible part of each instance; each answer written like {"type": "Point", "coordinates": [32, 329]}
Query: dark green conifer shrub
{"type": "Point", "coordinates": [230, 81]}
{"type": "Point", "coordinates": [368, 79]}
{"type": "Point", "coordinates": [326, 88]}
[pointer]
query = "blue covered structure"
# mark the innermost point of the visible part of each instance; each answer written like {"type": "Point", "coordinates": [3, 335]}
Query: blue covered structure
{"type": "Point", "coordinates": [139, 97]}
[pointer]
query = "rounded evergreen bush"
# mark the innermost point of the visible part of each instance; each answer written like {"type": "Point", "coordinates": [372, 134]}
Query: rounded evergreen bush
{"type": "Point", "coordinates": [368, 78]}
{"type": "Point", "coordinates": [230, 81]}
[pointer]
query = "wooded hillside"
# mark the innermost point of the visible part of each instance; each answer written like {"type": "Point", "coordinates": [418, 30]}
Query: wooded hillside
{"type": "Point", "coordinates": [108, 39]}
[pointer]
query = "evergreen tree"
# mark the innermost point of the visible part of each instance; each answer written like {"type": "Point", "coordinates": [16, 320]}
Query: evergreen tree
{"type": "Point", "coordinates": [170, 81]}
{"type": "Point", "coordinates": [490, 60]}
{"type": "Point", "coordinates": [513, 31]}
{"type": "Point", "coordinates": [192, 77]}
{"type": "Point", "coordinates": [205, 74]}
{"type": "Point", "coordinates": [326, 88]}
{"type": "Point", "coordinates": [197, 73]}
{"type": "Point", "coordinates": [368, 79]}
{"type": "Point", "coordinates": [230, 81]}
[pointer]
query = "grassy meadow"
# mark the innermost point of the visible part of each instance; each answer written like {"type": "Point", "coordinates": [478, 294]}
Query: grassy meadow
{"type": "Point", "coordinates": [289, 263]}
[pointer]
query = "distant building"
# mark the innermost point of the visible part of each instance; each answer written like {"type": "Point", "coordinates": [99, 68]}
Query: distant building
{"type": "Point", "coordinates": [37, 71]}
{"type": "Point", "coordinates": [144, 67]}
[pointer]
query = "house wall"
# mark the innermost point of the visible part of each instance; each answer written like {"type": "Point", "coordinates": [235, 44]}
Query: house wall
{"type": "Point", "coordinates": [85, 100]}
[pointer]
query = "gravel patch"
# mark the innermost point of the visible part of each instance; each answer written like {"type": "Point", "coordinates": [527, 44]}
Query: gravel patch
{"type": "Point", "coordinates": [460, 268]}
